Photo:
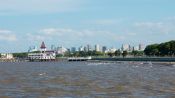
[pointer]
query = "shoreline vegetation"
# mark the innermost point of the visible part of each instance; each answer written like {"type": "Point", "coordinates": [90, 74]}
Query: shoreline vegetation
{"type": "Point", "coordinates": [163, 52]}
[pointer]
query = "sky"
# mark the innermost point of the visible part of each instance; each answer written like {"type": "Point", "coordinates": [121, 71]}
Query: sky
{"type": "Point", "coordinates": [69, 23]}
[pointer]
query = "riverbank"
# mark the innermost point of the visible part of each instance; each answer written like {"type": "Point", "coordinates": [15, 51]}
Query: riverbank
{"type": "Point", "coordinates": [155, 59]}
{"type": "Point", "coordinates": [166, 61]}
{"type": "Point", "coordinates": [134, 62]}
{"type": "Point", "coordinates": [160, 60]}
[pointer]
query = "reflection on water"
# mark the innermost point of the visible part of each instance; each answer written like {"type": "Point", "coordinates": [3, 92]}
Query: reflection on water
{"type": "Point", "coordinates": [86, 80]}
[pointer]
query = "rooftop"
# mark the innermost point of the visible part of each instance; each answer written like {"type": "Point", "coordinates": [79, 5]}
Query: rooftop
{"type": "Point", "coordinates": [43, 45]}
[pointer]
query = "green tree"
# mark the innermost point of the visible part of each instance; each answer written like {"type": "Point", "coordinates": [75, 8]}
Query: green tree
{"type": "Point", "coordinates": [20, 55]}
{"type": "Point", "coordinates": [151, 50]}
{"type": "Point", "coordinates": [172, 47]}
{"type": "Point", "coordinates": [36, 52]}
{"type": "Point", "coordinates": [111, 54]}
{"type": "Point", "coordinates": [67, 54]}
{"type": "Point", "coordinates": [124, 54]}
{"type": "Point", "coordinates": [59, 55]}
{"type": "Point", "coordinates": [97, 53]}
{"type": "Point", "coordinates": [117, 53]}
{"type": "Point", "coordinates": [163, 49]}
{"type": "Point", "coordinates": [135, 52]}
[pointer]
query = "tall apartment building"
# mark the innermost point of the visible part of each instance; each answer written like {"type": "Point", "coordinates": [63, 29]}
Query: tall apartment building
{"type": "Point", "coordinates": [97, 47]}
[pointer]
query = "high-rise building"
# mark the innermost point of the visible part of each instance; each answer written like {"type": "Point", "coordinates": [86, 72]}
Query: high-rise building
{"type": "Point", "coordinates": [73, 49]}
{"type": "Point", "coordinates": [125, 47]}
{"type": "Point", "coordinates": [130, 48]}
{"type": "Point", "coordinates": [89, 48]}
{"type": "Point", "coordinates": [85, 49]}
{"type": "Point", "coordinates": [68, 50]}
{"type": "Point", "coordinates": [53, 47]}
{"type": "Point", "coordinates": [104, 49]}
{"type": "Point", "coordinates": [81, 48]}
{"type": "Point", "coordinates": [97, 47]}
{"type": "Point", "coordinates": [61, 50]}
{"type": "Point", "coordinates": [112, 50]}
{"type": "Point", "coordinates": [141, 47]}
{"type": "Point", "coordinates": [136, 48]}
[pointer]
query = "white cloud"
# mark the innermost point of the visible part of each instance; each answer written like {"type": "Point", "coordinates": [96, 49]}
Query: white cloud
{"type": "Point", "coordinates": [79, 33]}
{"type": "Point", "coordinates": [55, 31]}
{"type": "Point", "coordinates": [163, 27]}
{"type": "Point", "coordinates": [37, 6]}
{"type": "Point", "coordinates": [149, 24]}
{"type": "Point", "coordinates": [75, 36]}
{"type": "Point", "coordinates": [33, 37]}
{"type": "Point", "coordinates": [146, 31]}
{"type": "Point", "coordinates": [5, 31]}
{"type": "Point", "coordinates": [7, 35]}
{"type": "Point", "coordinates": [104, 21]}
{"type": "Point", "coordinates": [172, 18]}
{"type": "Point", "coordinates": [132, 34]}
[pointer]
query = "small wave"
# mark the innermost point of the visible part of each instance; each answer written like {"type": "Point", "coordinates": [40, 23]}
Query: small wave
{"type": "Point", "coordinates": [98, 63]}
{"type": "Point", "coordinates": [41, 74]}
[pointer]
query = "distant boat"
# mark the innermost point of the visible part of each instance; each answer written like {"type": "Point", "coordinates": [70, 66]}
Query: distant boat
{"type": "Point", "coordinates": [79, 58]}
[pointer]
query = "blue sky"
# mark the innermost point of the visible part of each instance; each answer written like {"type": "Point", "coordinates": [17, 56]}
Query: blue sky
{"type": "Point", "coordinates": [80, 22]}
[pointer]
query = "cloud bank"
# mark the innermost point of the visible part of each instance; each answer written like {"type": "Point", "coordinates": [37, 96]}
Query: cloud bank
{"type": "Point", "coordinates": [7, 35]}
{"type": "Point", "coordinates": [75, 36]}
{"type": "Point", "coordinates": [37, 6]}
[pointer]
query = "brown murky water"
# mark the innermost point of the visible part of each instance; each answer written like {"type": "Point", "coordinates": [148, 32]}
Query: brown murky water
{"type": "Point", "coordinates": [86, 80]}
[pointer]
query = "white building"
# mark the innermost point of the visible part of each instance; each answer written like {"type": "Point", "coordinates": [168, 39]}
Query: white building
{"type": "Point", "coordinates": [130, 48]}
{"type": "Point", "coordinates": [141, 47]}
{"type": "Point", "coordinates": [7, 56]}
{"type": "Point", "coordinates": [125, 47]}
{"type": "Point", "coordinates": [81, 48]}
{"type": "Point", "coordinates": [112, 50]}
{"type": "Point", "coordinates": [136, 48]}
{"type": "Point", "coordinates": [61, 50]}
{"type": "Point", "coordinates": [43, 54]}
{"type": "Point", "coordinates": [89, 48]}
{"type": "Point", "coordinates": [97, 47]}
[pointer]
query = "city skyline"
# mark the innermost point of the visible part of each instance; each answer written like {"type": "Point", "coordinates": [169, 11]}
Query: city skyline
{"type": "Point", "coordinates": [81, 22]}
{"type": "Point", "coordinates": [86, 48]}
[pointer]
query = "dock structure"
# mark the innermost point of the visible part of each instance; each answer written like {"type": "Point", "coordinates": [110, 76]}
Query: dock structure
{"type": "Point", "coordinates": [79, 58]}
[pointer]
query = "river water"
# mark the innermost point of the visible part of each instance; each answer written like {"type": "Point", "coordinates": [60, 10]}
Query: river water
{"type": "Point", "coordinates": [86, 80]}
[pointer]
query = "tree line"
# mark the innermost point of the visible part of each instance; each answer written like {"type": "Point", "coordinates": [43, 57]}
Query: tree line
{"type": "Point", "coordinates": [163, 49]}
